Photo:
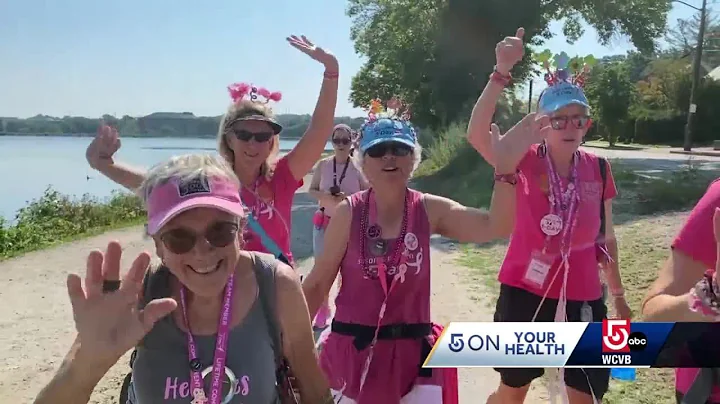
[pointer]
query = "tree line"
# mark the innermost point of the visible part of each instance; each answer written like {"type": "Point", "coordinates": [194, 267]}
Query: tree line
{"type": "Point", "coordinates": [438, 54]}
{"type": "Point", "coordinates": [159, 124]}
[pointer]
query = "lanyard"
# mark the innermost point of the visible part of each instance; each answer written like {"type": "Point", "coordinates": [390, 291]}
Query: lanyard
{"type": "Point", "coordinates": [563, 204]}
{"type": "Point", "coordinates": [342, 175]}
{"type": "Point", "coordinates": [218, 365]}
{"type": "Point", "coordinates": [370, 215]}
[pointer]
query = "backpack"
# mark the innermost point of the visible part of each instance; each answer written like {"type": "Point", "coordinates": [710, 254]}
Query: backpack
{"type": "Point", "coordinates": [601, 234]}
{"type": "Point", "coordinates": [156, 284]}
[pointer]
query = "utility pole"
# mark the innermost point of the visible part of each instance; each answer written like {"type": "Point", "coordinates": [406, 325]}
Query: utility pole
{"type": "Point", "coordinates": [697, 62]}
{"type": "Point", "coordinates": [530, 97]}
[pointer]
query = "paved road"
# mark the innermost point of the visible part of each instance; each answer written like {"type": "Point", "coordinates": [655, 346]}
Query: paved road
{"type": "Point", "coordinates": [657, 161]}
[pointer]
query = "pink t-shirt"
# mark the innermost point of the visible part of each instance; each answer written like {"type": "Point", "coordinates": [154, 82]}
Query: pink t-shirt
{"type": "Point", "coordinates": [274, 216]}
{"type": "Point", "coordinates": [696, 240]}
{"type": "Point", "coordinates": [532, 205]}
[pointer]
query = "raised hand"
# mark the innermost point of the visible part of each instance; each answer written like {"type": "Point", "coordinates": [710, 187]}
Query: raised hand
{"type": "Point", "coordinates": [102, 148]}
{"type": "Point", "coordinates": [319, 54]}
{"type": "Point", "coordinates": [110, 323]}
{"type": "Point", "coordinates": [509, 51]}
{"type": "Point", "coordinates": [510, 148]}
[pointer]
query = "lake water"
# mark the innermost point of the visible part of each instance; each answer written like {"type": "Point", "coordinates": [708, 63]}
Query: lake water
{"type": "Point", "coordinates": [30, 164]}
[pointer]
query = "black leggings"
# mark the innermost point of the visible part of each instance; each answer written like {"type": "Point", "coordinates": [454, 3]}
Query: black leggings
{"type": "Point", "coordinates": [518, 305]}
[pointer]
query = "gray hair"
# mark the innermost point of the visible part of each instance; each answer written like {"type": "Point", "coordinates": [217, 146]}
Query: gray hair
{"type": "Point", "coordinates": [358, 159]}
{"type": "Point", "coordinates": [186, 168]}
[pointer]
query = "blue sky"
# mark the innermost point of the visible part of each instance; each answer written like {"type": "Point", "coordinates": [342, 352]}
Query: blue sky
{"type": "Point", "coordinates": [89, 57]}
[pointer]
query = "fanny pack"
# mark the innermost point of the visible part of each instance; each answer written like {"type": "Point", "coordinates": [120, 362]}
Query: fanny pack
{"type": "Point", "coordinates": [446, 393]}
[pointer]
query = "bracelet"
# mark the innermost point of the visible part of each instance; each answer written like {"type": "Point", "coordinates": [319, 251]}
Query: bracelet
{"type": "Point", "coordinates": [500, 78]}
{"type": "Point", "coordinates": [703, 299]}
{"type": "Point", "coordinates": [331, 75]}
{"type": "Point", "coordinates": [618, 292]}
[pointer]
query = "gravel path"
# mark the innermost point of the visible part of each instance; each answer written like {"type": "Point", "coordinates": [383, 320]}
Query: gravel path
{"type": "Point", "coordinates": [36, 325]}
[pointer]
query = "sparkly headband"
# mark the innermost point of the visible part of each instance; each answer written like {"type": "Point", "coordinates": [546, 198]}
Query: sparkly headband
{"type": "Point", "coordinates": [241, 91]}
{"type": "Point", "coordinates": [569, 70]}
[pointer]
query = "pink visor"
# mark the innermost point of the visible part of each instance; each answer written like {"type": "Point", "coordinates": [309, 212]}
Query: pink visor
{"type": "Point", "coordinates": [172, 198]}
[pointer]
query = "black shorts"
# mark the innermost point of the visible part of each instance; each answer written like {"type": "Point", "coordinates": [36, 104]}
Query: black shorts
{"type": "Point", "coordinates": [518, 305]}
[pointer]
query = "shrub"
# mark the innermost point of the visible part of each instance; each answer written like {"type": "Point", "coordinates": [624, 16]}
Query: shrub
{"type": "Point", "coordinates": [55, 217]}
{"type": "Point", "coordinates": [455, 170]}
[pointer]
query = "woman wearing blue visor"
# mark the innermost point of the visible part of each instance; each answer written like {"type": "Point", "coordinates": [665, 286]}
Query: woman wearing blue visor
{"type": "Point", "coordinates": [379, 241]}
{"type": "Point", "coordinates": [563, 228]}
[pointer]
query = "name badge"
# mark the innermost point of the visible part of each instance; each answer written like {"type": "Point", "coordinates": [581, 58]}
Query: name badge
{"type": "Point", "coordinates": [538, 270]}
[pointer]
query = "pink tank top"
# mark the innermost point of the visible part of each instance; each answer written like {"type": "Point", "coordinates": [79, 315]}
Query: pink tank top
{"type": "Point", "coordinates": [361, 293]}
{"type": "Point", "coordinates": [350, 182]}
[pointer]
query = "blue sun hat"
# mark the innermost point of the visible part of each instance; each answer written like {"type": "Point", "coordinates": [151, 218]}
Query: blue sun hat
{"type": "Point", "coordinates": [560, 96]}
{"type": "Point", "coordinates": [563, 89]}
{"type": "Point", "coordinates": [386, 130]}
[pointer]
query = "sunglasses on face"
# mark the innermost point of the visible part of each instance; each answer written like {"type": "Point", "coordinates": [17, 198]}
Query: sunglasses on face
{"type": "Point", "coordinates": [396, 149]}
{"type": "Point", "coordinates": [182, 241]}
{"type": "Point", "coordinates": [246, 135]}
{"type": "Point", "coordinates": [341, 141]}
{"type": "Point", "coordinates": [578, 122]}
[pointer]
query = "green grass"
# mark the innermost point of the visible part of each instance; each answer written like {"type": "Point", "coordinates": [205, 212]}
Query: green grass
{"type": "Point", "coordinates": [644, 214]}
{"type": "Point", "coordinates": [55, 218]}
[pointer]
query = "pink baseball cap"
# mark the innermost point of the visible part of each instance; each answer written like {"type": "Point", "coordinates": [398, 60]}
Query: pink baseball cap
{"type": "Point", "coordinates": [174, 197]}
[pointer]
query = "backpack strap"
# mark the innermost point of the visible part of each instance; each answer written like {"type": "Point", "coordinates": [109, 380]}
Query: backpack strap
{"type": "Point", "coordinates": [265, 268]}
{"type": "Point", "coordinates": [156, 285]}
{"type": "Point", "coordinates": [701, 388]}
{"type": "Point", "coordinates": [603, 175]}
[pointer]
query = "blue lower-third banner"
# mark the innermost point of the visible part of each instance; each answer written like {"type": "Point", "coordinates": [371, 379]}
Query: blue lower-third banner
{"type": "Point", "coordinates": [611, 343]}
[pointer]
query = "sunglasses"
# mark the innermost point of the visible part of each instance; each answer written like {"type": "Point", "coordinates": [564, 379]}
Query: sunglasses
{"type": "Point", "coordinates": [182, 241]}
{"type": "Point", "coordinates": [341, 141]}
{"type": "Point", "coordinates": [578, 122]}
{"type": "Point", "coordinates": [246, 135]}
{"type": "Point", "coordinates": [396, 149]}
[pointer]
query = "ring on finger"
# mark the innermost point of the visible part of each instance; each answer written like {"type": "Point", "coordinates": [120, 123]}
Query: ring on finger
{"type": "Point", "coordinates": [110, 286]}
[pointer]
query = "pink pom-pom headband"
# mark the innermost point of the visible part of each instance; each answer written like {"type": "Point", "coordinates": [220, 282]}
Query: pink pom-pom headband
{"type": "Point", "coordinates": [240, 91]}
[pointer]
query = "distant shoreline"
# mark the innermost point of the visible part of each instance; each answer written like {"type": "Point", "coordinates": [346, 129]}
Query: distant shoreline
{"type": "Point", "coordinates": [125, 136]}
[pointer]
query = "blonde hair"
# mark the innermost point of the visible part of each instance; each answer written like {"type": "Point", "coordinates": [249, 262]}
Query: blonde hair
{"type": "Point", "coordinates": [358, 159]}
{"type": "Point", "coordinates": [242, 109]}
{"type": "Point", "coordinates": [186, 168]}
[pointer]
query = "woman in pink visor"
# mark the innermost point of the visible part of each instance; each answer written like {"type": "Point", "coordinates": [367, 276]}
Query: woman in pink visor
{"type": "Point", "coordinates": [687, 290]}
{"type": "Point", "coordinates": [249, 139]}
{"type": "Point", "coordinates": [379, 241]}
{"type": "Point", "coordinates": [551, 269]}
{"type": "Point", "coordinates": [214, 324]}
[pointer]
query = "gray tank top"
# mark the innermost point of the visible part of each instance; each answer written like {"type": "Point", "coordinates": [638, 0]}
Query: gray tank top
{"type": "Point", "coordinates": [161, 371]}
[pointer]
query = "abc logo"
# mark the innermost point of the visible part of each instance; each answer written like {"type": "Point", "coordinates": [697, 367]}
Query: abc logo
{"type": "Point", "coordinates": [637, 341]}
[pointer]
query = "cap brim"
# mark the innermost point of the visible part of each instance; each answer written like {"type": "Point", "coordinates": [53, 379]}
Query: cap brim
{"type": "Point", "coordinates": [211, 202]}
{"type": "Point", "coordinates": [375, 142]}
{"type": "Point", "coordinates": [558, 105]}
{"type": "Point", "coordinates": [277, 128]}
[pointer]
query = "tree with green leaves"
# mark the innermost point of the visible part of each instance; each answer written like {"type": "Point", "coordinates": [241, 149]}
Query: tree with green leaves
{"type": "Point", "coordinates": [437, 54]}
{"type": "Point", "coordinates": [611, 93]}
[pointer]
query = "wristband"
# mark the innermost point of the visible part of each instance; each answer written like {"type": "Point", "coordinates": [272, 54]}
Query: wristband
{"type": "Point", "coordinates": [331, 75]}
{"type": "Point", "coordinates": [500, 78]}
{"type": "Point", "coordinates": [703, 298]}
{"type": "Point", "coordinates": [618, 292]}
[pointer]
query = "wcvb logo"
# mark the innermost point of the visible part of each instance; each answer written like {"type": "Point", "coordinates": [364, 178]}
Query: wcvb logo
{"type": "Point", "coordinates": [615, 335]}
